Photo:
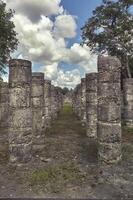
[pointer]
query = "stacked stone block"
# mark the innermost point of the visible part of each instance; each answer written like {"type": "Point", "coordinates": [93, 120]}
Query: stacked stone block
{"type": "Point", "coordinates": [4, 104]}
{"type": "Point", "coordinates": [91, 105]}
{"type": "Point", "coordinates": [128, 102]}
{"type": "Point", "coordinates": [77, 101]}
{"type": "Point", "coordinates": [59, 97]}
{"type": "Point", "coordinates": [4, 114]}
{"type": "Point", "coordinates": [38, 110]}
{"type": "Point", "coordinates": [83, 101]}
{"type": "Point", "coordinates": [20, 122]}
{"type": "Point", "coordinates": [47, 103]}
{"type": "Point", "coordinates": [53, 102]}
{"type": "Point", "coordinates": [109, 110]}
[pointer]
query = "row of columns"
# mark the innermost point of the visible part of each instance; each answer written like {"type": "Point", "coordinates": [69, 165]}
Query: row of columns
{"type": "Point", "coordinates": [30, 108]}
{"type": "Point", "coordinates": [103, 107]}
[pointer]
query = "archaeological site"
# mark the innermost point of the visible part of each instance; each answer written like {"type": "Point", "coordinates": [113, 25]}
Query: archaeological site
{"type": "Point", "coordinates": [66, 99]}
{"type": "Point", "coordinates": [51, 143]}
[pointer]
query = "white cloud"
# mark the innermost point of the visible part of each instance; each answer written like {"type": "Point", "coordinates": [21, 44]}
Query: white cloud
{"type": "Point", "coordinates": [37, 40]}
{"type": "Point", "coordinates": [82, 56]}
{"type": "Point", "coordinates": [61, 78]}
{"type": "Point", "coordinates": [33, 9]}
{"type": "Point", "coordinates": [65, 26]}
{"type": "Point", "coordinates": [44, 41]}
{"type": "Point", "coordinates": [51, 71]}
{"type": "Point", "coordinates": [68, 79]}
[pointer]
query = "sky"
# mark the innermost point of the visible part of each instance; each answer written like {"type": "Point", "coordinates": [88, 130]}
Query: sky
{"type": "Point", "coordinates": [49, 35]}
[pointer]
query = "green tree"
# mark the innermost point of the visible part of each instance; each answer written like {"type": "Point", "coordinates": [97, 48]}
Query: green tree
{"type": "Point", "coordinates": [8, 40]}
{"type": "Point", "coordinates": [65, 90]}
{"type": "Point", "coordinates": [110, 29]}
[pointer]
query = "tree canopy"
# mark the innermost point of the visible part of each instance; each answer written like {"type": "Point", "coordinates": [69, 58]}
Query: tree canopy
{"type": "Point", "coordinates": [8, 40]}
{"type": "Point", "coordinates": [110, 29]}
{"type": "Point", "coordinates": [65, 90]}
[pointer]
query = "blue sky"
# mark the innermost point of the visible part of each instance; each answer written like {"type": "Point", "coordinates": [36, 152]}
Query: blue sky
{"type": "Point", "coordinates": [49, 32]}
{"type": "Point", "coordinates": [82, 9]}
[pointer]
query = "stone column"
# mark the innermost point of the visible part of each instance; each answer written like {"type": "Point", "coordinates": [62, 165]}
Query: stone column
{"type": "Point", "coordinates": [47, 104]}
{"type": "Point", "coordinates": [128, 101]}
{"type": "Point", "coordinates": [83, 101]}
{"type": "Point", "coordinates": [79, 101]}
{"type": "Point", "coordinates": [109, 110]}
{"type": "Point", "coordinates": [91, 105]}
{"type": "Point", "coordinates": [4, 114]}
{"type": "Point", "coordinates": [20, 130]}
{"type": "Point", "coordinates": [53, 102]}
{"type": "Point", "coordinates": [38, 110]}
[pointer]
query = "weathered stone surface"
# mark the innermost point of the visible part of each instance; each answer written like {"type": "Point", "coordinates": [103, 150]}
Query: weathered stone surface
{"type": "Point", "coordinates": [38, 109]}
{"type": "Point", "coordinates": [47, 103]}
{"type": "Point", "coordinates": [128, 101]}
{"type": "Point", "coordinates": [109, 110]}
{"type": "Point", "coordinates": [77, 101]}
{"type": "Point", "coordinates": [83, 101]}
{"type": "Point", "coordinates": [91, 105]}
{"type": "Point", "coordinates": [20, 117]}
{"type": "Point", "coordinates": [53, 102]}
{"type": "Point", "coordinates": [4, 113]}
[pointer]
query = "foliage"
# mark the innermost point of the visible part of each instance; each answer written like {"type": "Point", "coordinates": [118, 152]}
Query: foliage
{"type": "Point", "coordinates": [65, 90]}
{"type": "Point", "coordinates": [8, 40]}
{"type": "Point", "coordinates": [110, 30]}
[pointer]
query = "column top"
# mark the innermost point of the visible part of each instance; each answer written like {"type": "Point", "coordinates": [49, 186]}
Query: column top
{"type": "Point", "coordinates": [19, 62]}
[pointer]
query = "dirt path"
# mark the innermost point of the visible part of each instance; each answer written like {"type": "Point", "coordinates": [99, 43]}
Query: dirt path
{"type": "Point", "coordinates": [67, 167]}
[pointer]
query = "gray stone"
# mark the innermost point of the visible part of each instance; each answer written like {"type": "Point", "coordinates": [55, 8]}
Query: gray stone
{"type": "Point", "coordinates": [91, 105]}
{"type": "Point", "coordinates": [20, 115]}
{"type": "Point", "coordinates": [109, 110]}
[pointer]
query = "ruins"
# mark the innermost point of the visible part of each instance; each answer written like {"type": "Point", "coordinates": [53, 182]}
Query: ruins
{"type": "Point", "coordinates": [29, 104]}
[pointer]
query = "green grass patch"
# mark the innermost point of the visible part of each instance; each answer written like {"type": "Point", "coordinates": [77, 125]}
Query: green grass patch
{"type": "Point", "coordinates": [55, 178]}
{"type": "Point", "coordinates": [67, 108]}
{"type": "Point", "coordinates": [67, 122]}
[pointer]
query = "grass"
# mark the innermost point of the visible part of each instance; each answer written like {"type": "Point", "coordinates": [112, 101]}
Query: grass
{"type": "Point", "coordinates": [67, 122]}
{"type": "Point", "coordinates": [67, 109]}
{"type": "Point", "coordinates": [55, 178]}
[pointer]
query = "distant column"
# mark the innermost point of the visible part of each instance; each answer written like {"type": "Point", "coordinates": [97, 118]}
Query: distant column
{"type": "Point", "coordinates": [38, 110]}
{"type": "Point", "coordinates": [91, 105]}
{"type": "Point", "coordinates": [109, 110]}
{"type": "Point", "coordinates": [79, 100]}
{"type": "Point", "coordinates": [83, 101]}
{"type": "Point", "coordinates": [20, 130]}
{"type": "Point", "coordinates": [4, 115]}
{"type": "Point", "coordinates": [47, 102]}
{"type": "Point", "coordinates": [53, 102]}
{"type": "Point", "coordinates": [128, 101]}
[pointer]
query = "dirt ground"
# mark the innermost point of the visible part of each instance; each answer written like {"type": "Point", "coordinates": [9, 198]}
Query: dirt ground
{"type": "Point", "coordinates": [67, 167]}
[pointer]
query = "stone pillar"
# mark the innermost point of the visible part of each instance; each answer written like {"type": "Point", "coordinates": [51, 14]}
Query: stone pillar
{"type": "Point", "coordinates": [38, 110]}
{"type": "Point", "coordinates": [91, 105]}
{"type": "Point", "coordinates": [128, 101]}
{"type": "Point", "coordinates": [4, 114]}
{"type": "Point", "coordinates": [79, 101]}
{"type": "Point", "coordinates": [4, 104]}
{"type": "Point", "coordinates": [83, 101]}
{"type": "Point", "coordinates": [109, 110]}
{"type": "Point", "coordinates": [53, 102]}
{"type": "Point", "coordinates": [20, 130]}
{"type": "Point", "coordinates": [47, 104]}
